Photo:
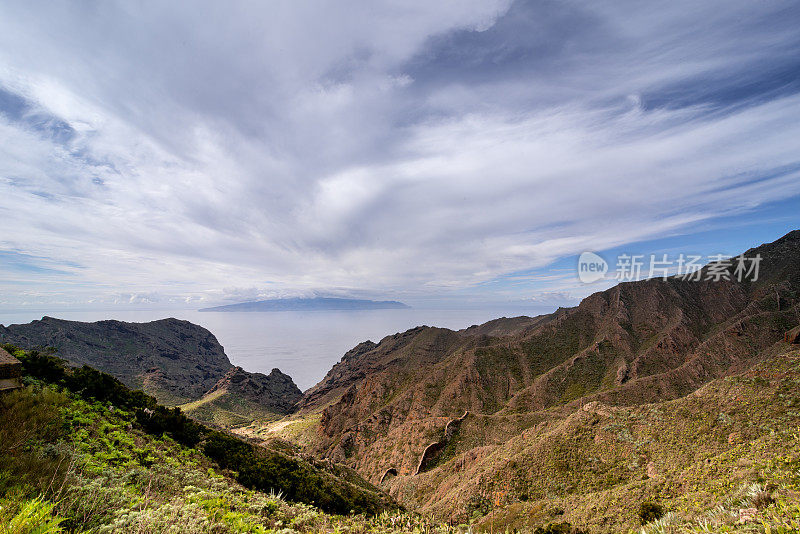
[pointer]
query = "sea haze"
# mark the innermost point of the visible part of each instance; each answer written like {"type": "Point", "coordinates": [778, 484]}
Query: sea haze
{"type": "Point", "coordinates": [306, 344]}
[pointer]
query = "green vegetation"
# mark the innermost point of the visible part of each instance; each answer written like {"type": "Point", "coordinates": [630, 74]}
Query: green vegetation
{"type": "Point", "coordinates": [33, 516]}
{"type": "Point", "coordinates": [255, 467]}
{"type": "Point", "coordinates": [83, 453]}
{"type": "Point", "coordinates": [222, 409]}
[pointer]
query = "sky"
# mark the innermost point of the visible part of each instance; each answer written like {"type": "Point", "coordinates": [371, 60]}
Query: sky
{"type": "Point", "coordinates": [454, 153]}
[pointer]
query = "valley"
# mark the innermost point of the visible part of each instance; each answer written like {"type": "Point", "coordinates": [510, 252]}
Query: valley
{"type": "Point", "coordinates": [676, 394]}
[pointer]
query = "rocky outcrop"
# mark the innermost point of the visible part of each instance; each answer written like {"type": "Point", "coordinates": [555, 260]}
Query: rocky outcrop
{"type": "Point", "coordinates": [241, 397]}
{"type": "Point", "coordinates": [422, 345]}
{"type": "Point", "coordinates": [275, 392]}
{"type": "Point", "coordinates": [388, 474]}
{"type": "Point", "coordinates": [339, 377]}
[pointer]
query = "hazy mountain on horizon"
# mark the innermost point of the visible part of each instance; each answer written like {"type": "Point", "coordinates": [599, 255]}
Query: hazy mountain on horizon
{"type": "Point", "coordinates": [307, 304]}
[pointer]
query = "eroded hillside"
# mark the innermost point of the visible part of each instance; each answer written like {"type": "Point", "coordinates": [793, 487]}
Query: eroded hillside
{"type": "Point", "coordinates": [638, 344]}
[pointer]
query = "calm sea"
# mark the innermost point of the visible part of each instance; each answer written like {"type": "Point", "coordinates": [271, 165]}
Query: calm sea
{"type": "Point", "coordinates": [305, 345]}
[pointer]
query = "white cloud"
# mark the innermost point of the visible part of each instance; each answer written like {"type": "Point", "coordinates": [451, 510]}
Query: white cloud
{"type": "Point", "coordinates": [290, 148]}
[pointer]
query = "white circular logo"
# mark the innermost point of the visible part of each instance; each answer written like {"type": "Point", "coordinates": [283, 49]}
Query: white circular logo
{"type": "Point", "coordinates": [591, 267]}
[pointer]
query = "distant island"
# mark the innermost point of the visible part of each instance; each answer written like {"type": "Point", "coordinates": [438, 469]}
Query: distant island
{"type": "Point", "coordinates": [308, 304]}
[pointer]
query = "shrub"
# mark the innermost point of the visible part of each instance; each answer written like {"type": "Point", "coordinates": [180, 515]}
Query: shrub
{"type": "Point", "coordinates": [558, 528]}
{"type": "Point", "coordinates": [650, 511]}
{"type": "Point", "coordinates": [175, 517]}
{"type": "Point", "coordinates": [265, 470]}
{"type": "Point", "coordinates": [85, 381]}
{"type": "Point", "coordinates": [762, 499]}
{"type": "Point", "coordinates": [92, 384]}
{"type": "Point", "coordinates": [161, 420]}
{"type": "Point", "coordinates": [88, 503]}
{"type": "Point", "coordinates": [41, 365]}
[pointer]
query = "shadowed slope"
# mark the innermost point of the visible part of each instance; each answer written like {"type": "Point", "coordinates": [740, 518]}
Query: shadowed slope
{"type": "Point", "coordinates": [175, 361]}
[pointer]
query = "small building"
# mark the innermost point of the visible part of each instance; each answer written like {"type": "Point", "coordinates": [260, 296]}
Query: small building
{"type": "Point", "coordinates": [10, 371]}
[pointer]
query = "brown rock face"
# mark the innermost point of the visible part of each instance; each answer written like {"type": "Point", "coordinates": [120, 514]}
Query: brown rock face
{"type": "Point", "coordinates": [793, 336]}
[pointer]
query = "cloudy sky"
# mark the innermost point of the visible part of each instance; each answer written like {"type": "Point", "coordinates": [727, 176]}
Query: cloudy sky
{"type": "Point", "coordinates": [160, 153]}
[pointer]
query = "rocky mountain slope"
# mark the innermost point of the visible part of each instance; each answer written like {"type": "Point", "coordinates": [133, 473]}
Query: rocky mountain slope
{"type": "Point", "coordinates": [638, 343]}
{"type": "Point", "coordinates": [699, 456]}
{"type": "Point", "coordinates": [671, 395]}
{"type": "Point", "coordinates": [175, 361]}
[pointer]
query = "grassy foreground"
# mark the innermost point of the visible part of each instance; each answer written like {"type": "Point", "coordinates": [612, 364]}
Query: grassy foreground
{"type": "Point", "coordinates": [77, 457]}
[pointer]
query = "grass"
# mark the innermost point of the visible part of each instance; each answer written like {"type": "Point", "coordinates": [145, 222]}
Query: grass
{"type": "Point", "coordinates": [202, 401]}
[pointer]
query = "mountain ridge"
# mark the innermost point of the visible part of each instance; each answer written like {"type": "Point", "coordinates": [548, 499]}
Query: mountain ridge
{"type": "Point", "coordinates": [172, 359]}
{"type": "Point", "coordinates": [580, 414]}
{"type": "Point", "coordinates": [650, 341]}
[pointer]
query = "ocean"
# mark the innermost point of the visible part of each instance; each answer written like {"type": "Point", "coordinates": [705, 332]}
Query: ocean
{"type": "Point", "coordinates": [304, 345]}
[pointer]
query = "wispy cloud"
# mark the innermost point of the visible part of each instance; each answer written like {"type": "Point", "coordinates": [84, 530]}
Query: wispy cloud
{"type": "Point", "coordinates": [291, 148]}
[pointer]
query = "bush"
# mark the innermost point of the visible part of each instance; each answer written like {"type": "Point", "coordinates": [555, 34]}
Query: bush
{"type": "Point", "coordinates": [40, 365]}
{"type": "Point", "coordinates": [92, 384]}
{"type": "Point", "coordinates": [478, 506]}
{"type": "Point", "coordinates": [265, 470]}
{"type": "Point", "coordinates": [85, 381]}
{"type": "Point", "coordinates": [762, 499]}
{"type": "Point", "coordinates": [161, 420]}
{"type": "Point", "coordinates": [650, 511]}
